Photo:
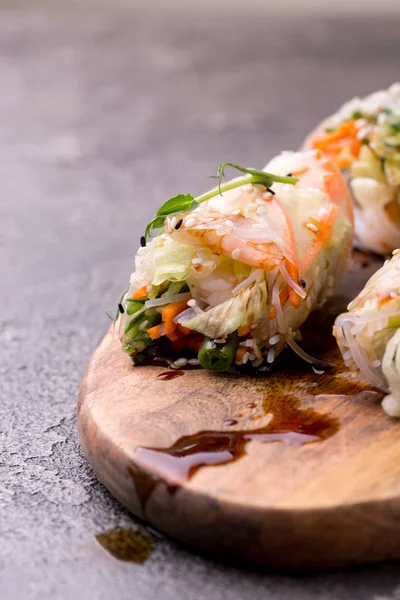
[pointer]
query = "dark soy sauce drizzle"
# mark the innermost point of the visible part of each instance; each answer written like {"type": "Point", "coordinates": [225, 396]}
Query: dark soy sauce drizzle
{"type": "Point", "coordinates": [126, 544]}
{"type": "Point", "coordinates": [167, 375]}
{"type": "Point", "coordinates": [289, 425]}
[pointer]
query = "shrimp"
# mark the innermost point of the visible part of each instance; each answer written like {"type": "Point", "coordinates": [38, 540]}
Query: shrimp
{"type": "Point", "coordinates": [266, 230]}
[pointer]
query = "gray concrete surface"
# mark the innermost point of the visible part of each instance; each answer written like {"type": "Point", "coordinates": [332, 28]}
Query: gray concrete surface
{"type": "Point", "coordinates": [103, 115]}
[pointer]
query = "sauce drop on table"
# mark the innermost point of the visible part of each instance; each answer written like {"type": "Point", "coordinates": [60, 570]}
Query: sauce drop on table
{"type": "Point", "coordinates": [289, 424]}
{"type": "Point", "coordinates": [128, 545]}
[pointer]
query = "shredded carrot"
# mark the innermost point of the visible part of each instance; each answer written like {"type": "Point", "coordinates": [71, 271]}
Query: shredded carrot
{"type": "Point", "coordinates": [155, 332]}
{"type": "Point", "coordinates": [140, 293]}
{"type": "Point", "coordinates": [242, 331]}
{"type": "Point", "coordinates": [174, 335]}
{"type": "Point", "coordinates": [240, 352]}
{"type": "Point", "coordinates": [194, 342]}
{"type": "Point", "coordinates": [170, 311]}
{"type": "Point", "coordinates": [355, 147]}
{"type": "Point", "coordinates": [185, 330]}
{"type": "Point", "coordinates": [169, 327]}
{"type": "Point", "coordinates": [324, 231]}
{"type": "Point", "coordinates": [300, 172]}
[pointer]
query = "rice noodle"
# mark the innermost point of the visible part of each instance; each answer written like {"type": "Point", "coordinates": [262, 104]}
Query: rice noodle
{"type": "Point", "coordinates": [291, 282]}
{"type": "Point", "coordinates": [316, 362]}
{"type": "Point", "coordinates": [246, 282]}
{"type": "Point", "coordinates": [360, 357]}
{"type": "Point", "coordinates": [276, 303]}
{"type": "Point", "coordinates": [167, 299]}
{"type": "Point", "coordinates": [185, 315]}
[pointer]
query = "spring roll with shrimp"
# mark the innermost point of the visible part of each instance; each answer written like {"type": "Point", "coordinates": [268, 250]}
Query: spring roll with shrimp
{"type": "Point", "coordinates": [233, 274]}
{"type": "Point", "coordinates": [363, 138]}
{"type": "Point", "coordinates": [369, 333]}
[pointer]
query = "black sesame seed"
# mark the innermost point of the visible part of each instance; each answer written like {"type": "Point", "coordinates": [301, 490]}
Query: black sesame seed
{"type": "Point", "coordinates": [121, 308]}
{"type": "Point", "coordinates": [289, 175]}
{"type": "Point", "coordinates": [143, 241]}
{"type": "Point", "coordinates": [302, 283]}
{"type": "Point", "coordinates": [271, 191]}
{"type": "Point", "coordinates": [179, 223]}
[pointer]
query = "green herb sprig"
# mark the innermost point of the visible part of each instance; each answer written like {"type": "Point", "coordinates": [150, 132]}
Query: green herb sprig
{"type": "Point", "coordinates": [186, 202]}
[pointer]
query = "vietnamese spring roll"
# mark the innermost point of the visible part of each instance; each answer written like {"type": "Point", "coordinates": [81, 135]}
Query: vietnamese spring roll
{"type": "Point", "coordinates": [363, 138]}
{"type": "Point", "coordinates": [369, 333]}
{"type": "Point", "coordinates": [232, 274]}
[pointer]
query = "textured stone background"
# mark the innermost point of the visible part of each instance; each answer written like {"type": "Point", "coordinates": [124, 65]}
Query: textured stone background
{"type": "Point", "coordinates": [104, 113]}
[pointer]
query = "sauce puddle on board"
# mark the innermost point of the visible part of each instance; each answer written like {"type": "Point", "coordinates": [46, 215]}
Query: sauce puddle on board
{"type": "Point", "coordinates": [126, 544]}
{"type": "Point", "coordinates": [288, 424]}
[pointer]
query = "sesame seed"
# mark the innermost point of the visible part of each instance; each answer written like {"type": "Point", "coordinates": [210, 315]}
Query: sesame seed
{"type": "Point", "coordinates": [197, 261]}
{"type": "Point", "coordinates": [142, 241]}
{"type": "Point", "coordinates": [220, 341]}
{"type": "Point", "coordinates": [245, 358]}
{"type": "Point", "coordinates": [253, 325]}
{"type": "Point", "coordinates": [303, 283]}
{"type": "Point", "coordinates": [143, 325]}
{"type": "Point", "coordinates": [396, 251]}
{"type": "Point", "coordinates": [193, 361]}
{"type": "Point", "coordinates": [236, 211]}
{"type": "Point", "coordinates": [312, 227]}
{"type": "Point", "coordinates": [191, 302]}
{"type": "Point", "coordinates": [179, 223]}
{"type": "Point", "coordinates": [212, 345]}
{"type": "Point", "coordinates": [121, 308]}
{"type": "Point", "coordinates": [376, 363]}
{"type": "Point", "coordinates": [172, 222]}
{"type": "Point", "coordinates": [235, 254]}
{"type": "Point", "coordinates": [149, 288]}
{"type": "Point", "coordinates": [190, 222]}
{"type": "Point", "coordinates": [249, 343]}
{"type": "Point", "coordinates": [271, 355]}
{"type": "Point", "coordinates": [181, 362]}
{"type": "Point", "coordinates": [271, 191]}
{"type": "Point", "coordinates": [229, 223]}
{"type": "Point", "coordinates": [275, 339]}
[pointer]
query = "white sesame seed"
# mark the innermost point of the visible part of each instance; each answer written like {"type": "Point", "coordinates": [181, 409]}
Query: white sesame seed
{"type": "Point", "coordinates": [396, 251]}
{"type": "Point", "coordinates": [236, 211]}
{"type": "Point", "coordinates": [143, 325]}
{"type": "Point", "coordinates": [271, 355]}
{"type": "Point", "coordinates": [191, 302]}
{"type": "Point", "coordinates": [312, 227]}
{"type": "Point", "coordinates": [245, 358]}
{"type": "Point", "coordinates": [220, 341]}
{"type": "Point", "coordinates": [212, 345]}
{"type": "Point", "coordinates": [235, 254]}
{"type": "Point", "coordinates": [229, 223]}
{"type": "Point", "coordinates": [172, 222]}
{"type": "Point", "coordinates": [189, 222]}
{"type": "Point", "coordinates": [181, 362]}
{"type": "Point", "coordinates": [275, 339]}
{"type": "Point", "coordinates": [249, 343]}
{"type": "Point", "coordinates": [193, 361]}
{"type": "Point", "coordinates": [376, 363]}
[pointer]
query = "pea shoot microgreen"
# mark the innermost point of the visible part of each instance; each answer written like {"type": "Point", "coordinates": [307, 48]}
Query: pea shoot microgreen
{"type": "Point", "coordinates": [183, 203]}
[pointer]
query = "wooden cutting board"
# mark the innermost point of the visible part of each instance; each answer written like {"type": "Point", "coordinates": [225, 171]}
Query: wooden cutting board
{"type": "Point", "coordinates": [293, 469]}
